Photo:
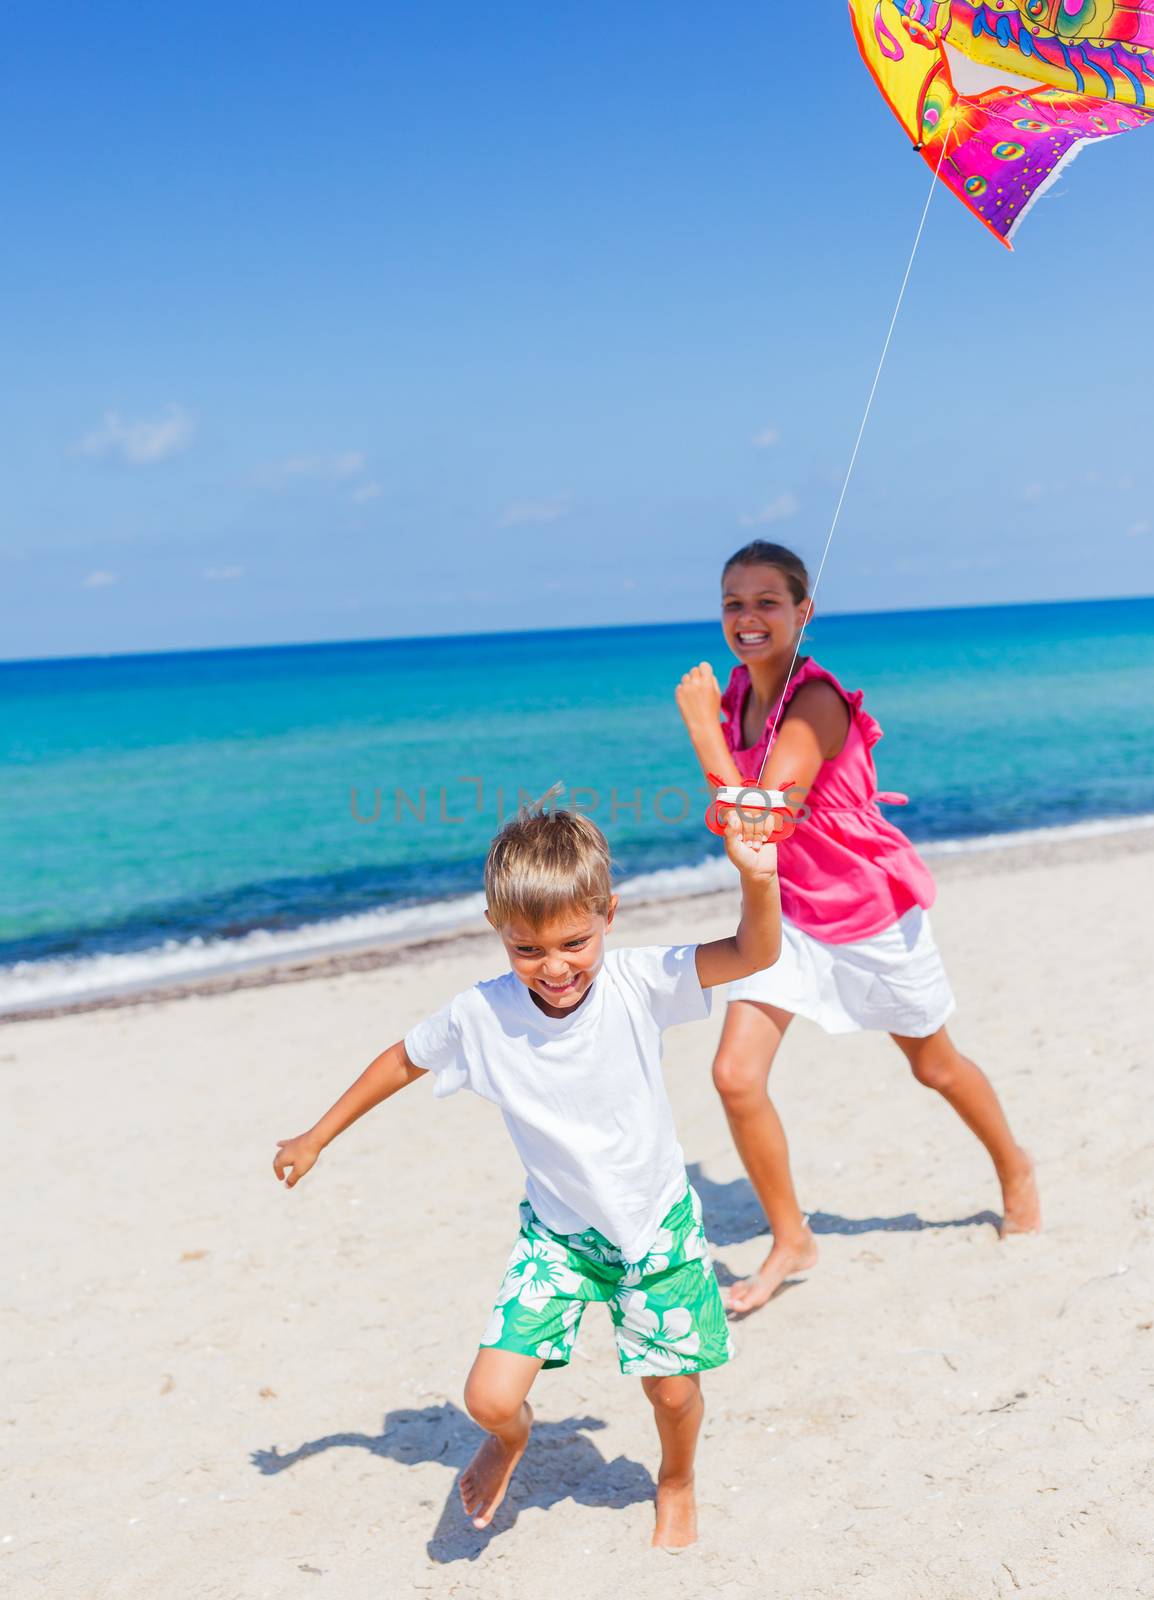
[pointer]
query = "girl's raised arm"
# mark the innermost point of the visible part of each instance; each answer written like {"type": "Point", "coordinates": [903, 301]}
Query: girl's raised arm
{"type": "Point", "coordinates": [699, 701]}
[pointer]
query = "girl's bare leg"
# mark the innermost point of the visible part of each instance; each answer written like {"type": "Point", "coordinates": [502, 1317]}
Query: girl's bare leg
{"type": "Point", "coordinates": [938, 1063]}
{"type": "Point", "coordinates": [495, 1397]}
{"type": "Point", "coordinates": [749, 1043]}
{"type": "Point", "coordinates": [678, 1408]}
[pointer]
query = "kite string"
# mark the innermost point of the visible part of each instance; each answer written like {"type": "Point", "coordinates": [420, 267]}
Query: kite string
{"type": "Point", "coordinates": [857, 446]}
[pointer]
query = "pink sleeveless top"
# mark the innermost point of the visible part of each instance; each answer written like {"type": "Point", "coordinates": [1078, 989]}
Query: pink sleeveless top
{"type": "Point", "coordinates": [847, 873]}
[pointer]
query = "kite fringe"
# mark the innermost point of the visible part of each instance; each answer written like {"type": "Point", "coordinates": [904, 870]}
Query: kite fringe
{"type": "Point", "coordinates": [1043, 189]}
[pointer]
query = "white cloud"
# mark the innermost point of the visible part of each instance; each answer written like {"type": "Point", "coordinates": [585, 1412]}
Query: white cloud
{"type": "Point", "coordinates": [1033, 492]}
{"type": "Point", "coordinates": [344, 464]}
{"type": "Point", "coordinates": [99, 580]}
{"type": "Point", "coordinates": [140, 441]}
{"type": "Point", "coordinates": [779, 510]}
{"type": "Point", "coordinates": [767, 438]}
{"type": "Point", "coordinates": [336, 467]}
{"type": "Point", "coordinates": [1136, 529]}
{"type": "Point", "coordinates": [223, 574]}
{"type": "Point", "coordinates": [365, 492]}
{"type": "Point", "coordinates": [533, 513]}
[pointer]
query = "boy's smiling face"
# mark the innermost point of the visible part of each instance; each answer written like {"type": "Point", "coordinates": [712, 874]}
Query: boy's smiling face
{"type": "Point", "coordinates": [558, 961]}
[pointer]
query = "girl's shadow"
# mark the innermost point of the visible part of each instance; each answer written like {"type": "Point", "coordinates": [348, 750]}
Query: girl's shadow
{"type": "Point", "coordinates": [560, 1464]}
{"type": "Point", "coordinates": [733, 1215]}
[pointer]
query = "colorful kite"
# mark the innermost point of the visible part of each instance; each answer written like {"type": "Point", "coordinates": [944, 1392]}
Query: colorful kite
{"type": "Point", "coordinates": [999, 97]}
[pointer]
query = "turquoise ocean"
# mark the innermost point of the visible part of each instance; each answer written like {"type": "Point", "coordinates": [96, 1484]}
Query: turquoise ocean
{"type": "Point", "coordinates": [168, 815]}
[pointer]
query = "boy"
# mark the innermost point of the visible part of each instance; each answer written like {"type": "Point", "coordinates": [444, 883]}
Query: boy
{"type": "Point", "coordinates": [568, 1045]}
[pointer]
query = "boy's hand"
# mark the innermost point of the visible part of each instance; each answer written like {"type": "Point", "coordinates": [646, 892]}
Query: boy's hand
{"type": "Point", "coordinates": [748, 843]}
{"type": "Point", "coordinates": [295, 1157]}
{"type": "Point", "coordinates": [699, 697]}
{"type": "Point", "coordinates": [390, 1072]}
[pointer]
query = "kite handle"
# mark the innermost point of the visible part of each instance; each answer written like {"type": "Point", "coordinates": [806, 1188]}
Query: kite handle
{"type": "Point", "coordinates": [750, 799]}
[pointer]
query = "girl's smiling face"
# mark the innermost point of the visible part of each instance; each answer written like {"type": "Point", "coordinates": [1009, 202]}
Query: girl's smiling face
{"type": "Point", "coordinates": [761, 619]}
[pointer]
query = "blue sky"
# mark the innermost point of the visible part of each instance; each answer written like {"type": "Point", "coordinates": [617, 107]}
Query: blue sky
{"type": "Point", "coordinates": [377, 318]}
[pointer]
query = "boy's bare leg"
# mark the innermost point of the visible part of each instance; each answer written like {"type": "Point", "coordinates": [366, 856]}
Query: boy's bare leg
{"type": "Point", "coordinates": [495, 1396]}
{"type": "Point", "coordinates": [749, 1042]}
{"type": "Point", "coordinates": [940, 1065]}
{"type": "Point", "coordinates": [678, 1408]}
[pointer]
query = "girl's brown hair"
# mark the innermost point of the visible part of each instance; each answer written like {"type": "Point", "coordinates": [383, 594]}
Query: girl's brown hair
{"type": "Point", "coordinates": [760, 553]}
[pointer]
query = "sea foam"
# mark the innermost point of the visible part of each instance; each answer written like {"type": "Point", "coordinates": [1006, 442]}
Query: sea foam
{"type": "Point", "coordinates": [41, 985]}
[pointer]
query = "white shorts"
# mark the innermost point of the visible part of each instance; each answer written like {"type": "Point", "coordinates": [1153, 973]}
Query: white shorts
{"type": "Point", "coordinates": [893, 982]}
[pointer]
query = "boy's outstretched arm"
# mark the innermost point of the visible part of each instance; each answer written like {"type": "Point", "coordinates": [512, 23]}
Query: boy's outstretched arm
{"type": "Point", "coordinates": [757, 942]}
{"type": "Point", "coordinates": [390, 1072]}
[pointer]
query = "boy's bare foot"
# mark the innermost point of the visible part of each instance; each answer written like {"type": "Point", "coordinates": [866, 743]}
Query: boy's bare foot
{"type": "Point", "coordinates": [1021, 1208]}
{"type": "Point", "coordinates": [786, 1258]}
{"type": "Point", "coordinates": [676, 1515]}
{"type": "Point", "coordinates": [486, 1478]}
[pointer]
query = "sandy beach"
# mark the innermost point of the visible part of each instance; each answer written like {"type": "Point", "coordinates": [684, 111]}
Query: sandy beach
{"type": "Point", "coordinates": [219, 1389]}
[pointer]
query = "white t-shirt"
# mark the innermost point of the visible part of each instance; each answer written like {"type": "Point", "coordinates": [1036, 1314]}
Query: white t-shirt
{"type": "Point", "coordinates": [582, 1095]}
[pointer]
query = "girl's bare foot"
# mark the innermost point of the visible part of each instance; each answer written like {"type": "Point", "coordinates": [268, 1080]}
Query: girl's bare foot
{"type": "Point", "coordinates": [676, 1515]}
{"type": "Point", "coordinates": [786, 1258]}
{"type": "Point", "coordinates": [1021, 1208]}
{"type": "Point", "coordinates": [486, 1478]}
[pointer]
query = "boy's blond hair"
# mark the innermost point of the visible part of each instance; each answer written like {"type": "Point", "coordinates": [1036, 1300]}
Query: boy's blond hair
{"type": "Point", "coordinates": [545, 863]}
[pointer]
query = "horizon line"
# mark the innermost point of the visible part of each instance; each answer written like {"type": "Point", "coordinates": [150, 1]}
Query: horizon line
{"type": "Point", "coordinates": [516, 633]}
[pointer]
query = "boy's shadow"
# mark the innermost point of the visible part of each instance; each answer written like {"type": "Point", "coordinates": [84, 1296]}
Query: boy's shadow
{"type": "Point", "coordinates": [560, 1464]}
{"type": "Point", "coordinates": [733, 1215]}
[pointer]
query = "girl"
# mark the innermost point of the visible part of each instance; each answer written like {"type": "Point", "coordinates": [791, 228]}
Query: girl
{"type": "Point", "coordinates": [857, 948]}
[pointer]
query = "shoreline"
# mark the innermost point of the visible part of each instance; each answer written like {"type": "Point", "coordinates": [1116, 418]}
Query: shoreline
{"type": "Point", "coordinates": [965, 859]}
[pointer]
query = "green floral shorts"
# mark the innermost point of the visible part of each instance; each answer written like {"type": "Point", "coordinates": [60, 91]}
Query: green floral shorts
{"type": "Point", "coordinates": [667, 1312]}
